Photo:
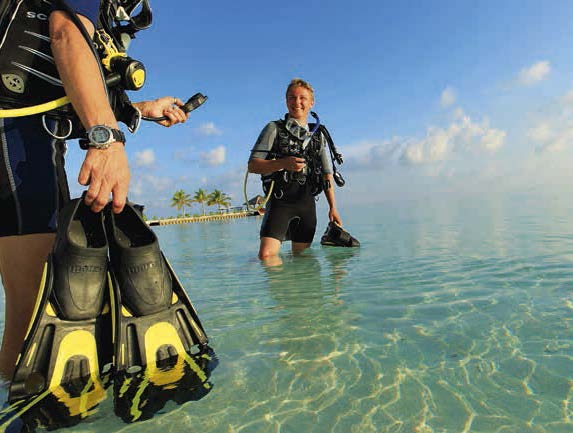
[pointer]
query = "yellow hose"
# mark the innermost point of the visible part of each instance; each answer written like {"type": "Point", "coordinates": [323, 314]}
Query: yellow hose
{"type": "Point", "coordinates": [34, 109]}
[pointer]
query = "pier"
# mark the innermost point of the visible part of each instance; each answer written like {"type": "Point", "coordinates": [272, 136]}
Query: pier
{"type": "Point", "coordinates": [203, 218]}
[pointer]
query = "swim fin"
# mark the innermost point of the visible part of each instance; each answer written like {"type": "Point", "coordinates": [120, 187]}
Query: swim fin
{"type": "Point", "coordinates": [68, 347]}
{"type": "Point", "coordinates": [336, 236]}
{"type": "Point", "coordinates": [155, 320]}
{"type": "Point", "coordinates": [138, 396]}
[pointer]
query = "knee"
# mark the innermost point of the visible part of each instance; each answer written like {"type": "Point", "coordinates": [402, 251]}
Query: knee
{"type": "Point", "coordinates": [266, 254]}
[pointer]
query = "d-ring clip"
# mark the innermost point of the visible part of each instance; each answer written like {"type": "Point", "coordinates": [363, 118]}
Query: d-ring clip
{"type": "Point", "coordinates": [63, 137]}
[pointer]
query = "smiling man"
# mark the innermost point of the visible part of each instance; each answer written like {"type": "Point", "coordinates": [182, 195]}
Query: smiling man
{"type": "Point", "coordinates": [291, 156]}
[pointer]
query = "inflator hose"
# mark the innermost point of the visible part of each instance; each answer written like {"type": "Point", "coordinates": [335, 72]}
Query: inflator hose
{"type": "Point", "coordinates": [193, 102]}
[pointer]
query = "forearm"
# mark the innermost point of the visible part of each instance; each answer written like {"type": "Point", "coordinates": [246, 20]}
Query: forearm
{"type": "Point", "coordinates": [143, 106]}
{"type": "Point", "coordinates": [329, 193]}
{"type": "Point", "coordinates": [265, 166]}
{"type": "Point", "coordinates": [79, 71]}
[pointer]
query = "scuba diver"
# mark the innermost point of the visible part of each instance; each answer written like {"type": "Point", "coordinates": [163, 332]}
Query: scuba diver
{"type": "Point", "coordinates": [33, 184]}
{"type": "Point", "coordinates": [292, 158]}
{"type": "Point", "coordinates": [90, 296]}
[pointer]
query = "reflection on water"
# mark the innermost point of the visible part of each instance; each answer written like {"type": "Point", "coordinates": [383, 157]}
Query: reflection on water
{"type": "Point", "coordinates": [452, 317]}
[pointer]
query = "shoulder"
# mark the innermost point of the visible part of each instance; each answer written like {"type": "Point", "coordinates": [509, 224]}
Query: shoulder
{"type": "Point", "coordinates": [273, 124]}
{"type": "Point", "coordinates": [267, 135]}
{"type": "Point", "coordinates": [87, 8]}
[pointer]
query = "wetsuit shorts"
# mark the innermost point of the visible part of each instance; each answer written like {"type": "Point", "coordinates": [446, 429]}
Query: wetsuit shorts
{"type": "Point", "coordinates": [290, 220]}
{"type": "Point", "coordinates": [32, 179]}
{"type": "Point", "coordinates": [33, 183]}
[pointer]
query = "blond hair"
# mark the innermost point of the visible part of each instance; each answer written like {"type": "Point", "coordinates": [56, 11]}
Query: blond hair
{"type": "Point", "coordinates": [299, 82]}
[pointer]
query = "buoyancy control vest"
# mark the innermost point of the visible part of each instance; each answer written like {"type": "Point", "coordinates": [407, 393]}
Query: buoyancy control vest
{"type": "Point", "coordinates": [290, 185]}
{"type": "Point", "coordinates": [27, 69]}
{"type": "Point", "coordinates": [28, 74]}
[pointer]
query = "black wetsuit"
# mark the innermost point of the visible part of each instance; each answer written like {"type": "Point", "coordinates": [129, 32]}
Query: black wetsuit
{"type": "Point", "coordinates": [289, 214]}
{"type": "Point", "coordinates": [32, 179]}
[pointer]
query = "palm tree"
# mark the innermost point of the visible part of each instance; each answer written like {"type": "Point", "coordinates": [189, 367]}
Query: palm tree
{"type": "Point", "coordinates": [200, 197]}
{"type": "Point", "coordinates": [181, 199]}
{"type": "Point", "coordinates": [219, 198]}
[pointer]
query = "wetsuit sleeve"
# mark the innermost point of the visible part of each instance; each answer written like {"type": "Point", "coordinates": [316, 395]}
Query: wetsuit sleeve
{"type": "Point", "coordinates": [325, 156]}
{"type": "Point", "coordinates": [265, 142]}
{"type": "Point", "coordinates": [87, 8]}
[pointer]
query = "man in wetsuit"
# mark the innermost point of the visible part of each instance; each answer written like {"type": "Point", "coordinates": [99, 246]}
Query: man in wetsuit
{"type": "Point", "coordinates": [31, 171]}
{"type": "Point", "coordinates": [291, 210]}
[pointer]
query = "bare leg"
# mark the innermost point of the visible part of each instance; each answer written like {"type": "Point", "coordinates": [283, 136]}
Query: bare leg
{"type": "Point", "coordinates": [298, 247]}
{"type": "Point", "coordinates": [269, 251]}
{"type": "Point", "coordinates": [21, 265]}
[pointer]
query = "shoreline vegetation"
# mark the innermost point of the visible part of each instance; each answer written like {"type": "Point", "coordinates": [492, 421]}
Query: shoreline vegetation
{"type": "Point", "coordinates": [181, 200]}
{"type": "Point", "coordinates": [203, 218]}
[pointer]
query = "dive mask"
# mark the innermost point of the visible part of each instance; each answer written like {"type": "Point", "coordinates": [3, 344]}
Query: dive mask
{"type": "Point", "coordinates": [140, 17]}
{"type": "Point", "coordinates": [136, 12]}
{"type": "Point", "coordinates": [300, 132]}
{"type": "Point", "coordinates": [296, 130]}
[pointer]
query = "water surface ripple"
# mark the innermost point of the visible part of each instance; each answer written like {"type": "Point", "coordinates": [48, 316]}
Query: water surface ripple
{"type": "Point", "coordinates": [452, 317]}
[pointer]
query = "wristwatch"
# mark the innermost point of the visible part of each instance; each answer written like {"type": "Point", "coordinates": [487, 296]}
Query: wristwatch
{"type": "Point", "coordinates": [101, 137]}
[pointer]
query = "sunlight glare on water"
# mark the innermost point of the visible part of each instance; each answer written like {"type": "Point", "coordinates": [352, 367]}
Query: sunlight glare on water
{"type": "Point", "coordinates": [453, 316]}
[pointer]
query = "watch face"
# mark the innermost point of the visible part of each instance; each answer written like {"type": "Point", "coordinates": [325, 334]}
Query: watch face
{"type": "Point", "coordinates": [100, 135]}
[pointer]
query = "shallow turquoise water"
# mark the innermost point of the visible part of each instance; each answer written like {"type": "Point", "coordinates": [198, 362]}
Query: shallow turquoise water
{"type": "Point", "coordinates": [453, 316]}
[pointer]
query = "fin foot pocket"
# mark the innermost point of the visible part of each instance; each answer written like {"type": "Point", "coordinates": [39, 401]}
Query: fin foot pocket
{"type": "Point", "coordinates": [152, 307]}
{"type": "Point", "coordinates": [161, 351]}
{"type": "Point", "coordinates": [336, 236]}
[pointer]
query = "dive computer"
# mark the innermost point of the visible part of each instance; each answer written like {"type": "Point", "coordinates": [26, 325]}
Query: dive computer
{"type": "Point", "coordinates": [101, 137]}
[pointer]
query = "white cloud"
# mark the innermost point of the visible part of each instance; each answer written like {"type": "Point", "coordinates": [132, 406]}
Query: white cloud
{"type": "Point", "coordinates": [541, 132]}
{"type": "Point", "coordinates": [145, 158]}
{"type": "Point", "coordinates": [146, 184]}
{"type": "Point", "coordinates": [552, 138]}
{"type": "Point", "coordinates": [209, 128]}
{"type": "Point", "coordinates": [554, 132]}
{"type": "Point", "coordinates": [463, 138]}
{"type": "Point", "coordinates": [214, 157]}
{"type": "Point", "coordinates": [534, 73]}
{"type": "Point", "coordinates": [493, 139]}
{"type": "Point", "coordinates": [448, 97]}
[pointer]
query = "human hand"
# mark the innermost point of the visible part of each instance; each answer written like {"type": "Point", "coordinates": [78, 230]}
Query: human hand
{"type": "Point", "coordinates": [292, 163]}
{"type": "Point", "coordinates": [106, 171]}
{"type": "Point", "coordinates": [334, 217]}
{"type": "Point", "coordinates": [168, 106]}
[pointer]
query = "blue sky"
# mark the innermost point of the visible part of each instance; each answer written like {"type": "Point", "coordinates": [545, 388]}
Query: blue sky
{"type": "Point", "coordinates": [420, 97]}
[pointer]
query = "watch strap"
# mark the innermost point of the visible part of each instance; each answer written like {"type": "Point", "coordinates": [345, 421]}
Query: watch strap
{"type": "Point", "coordinates": [116, 134]}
